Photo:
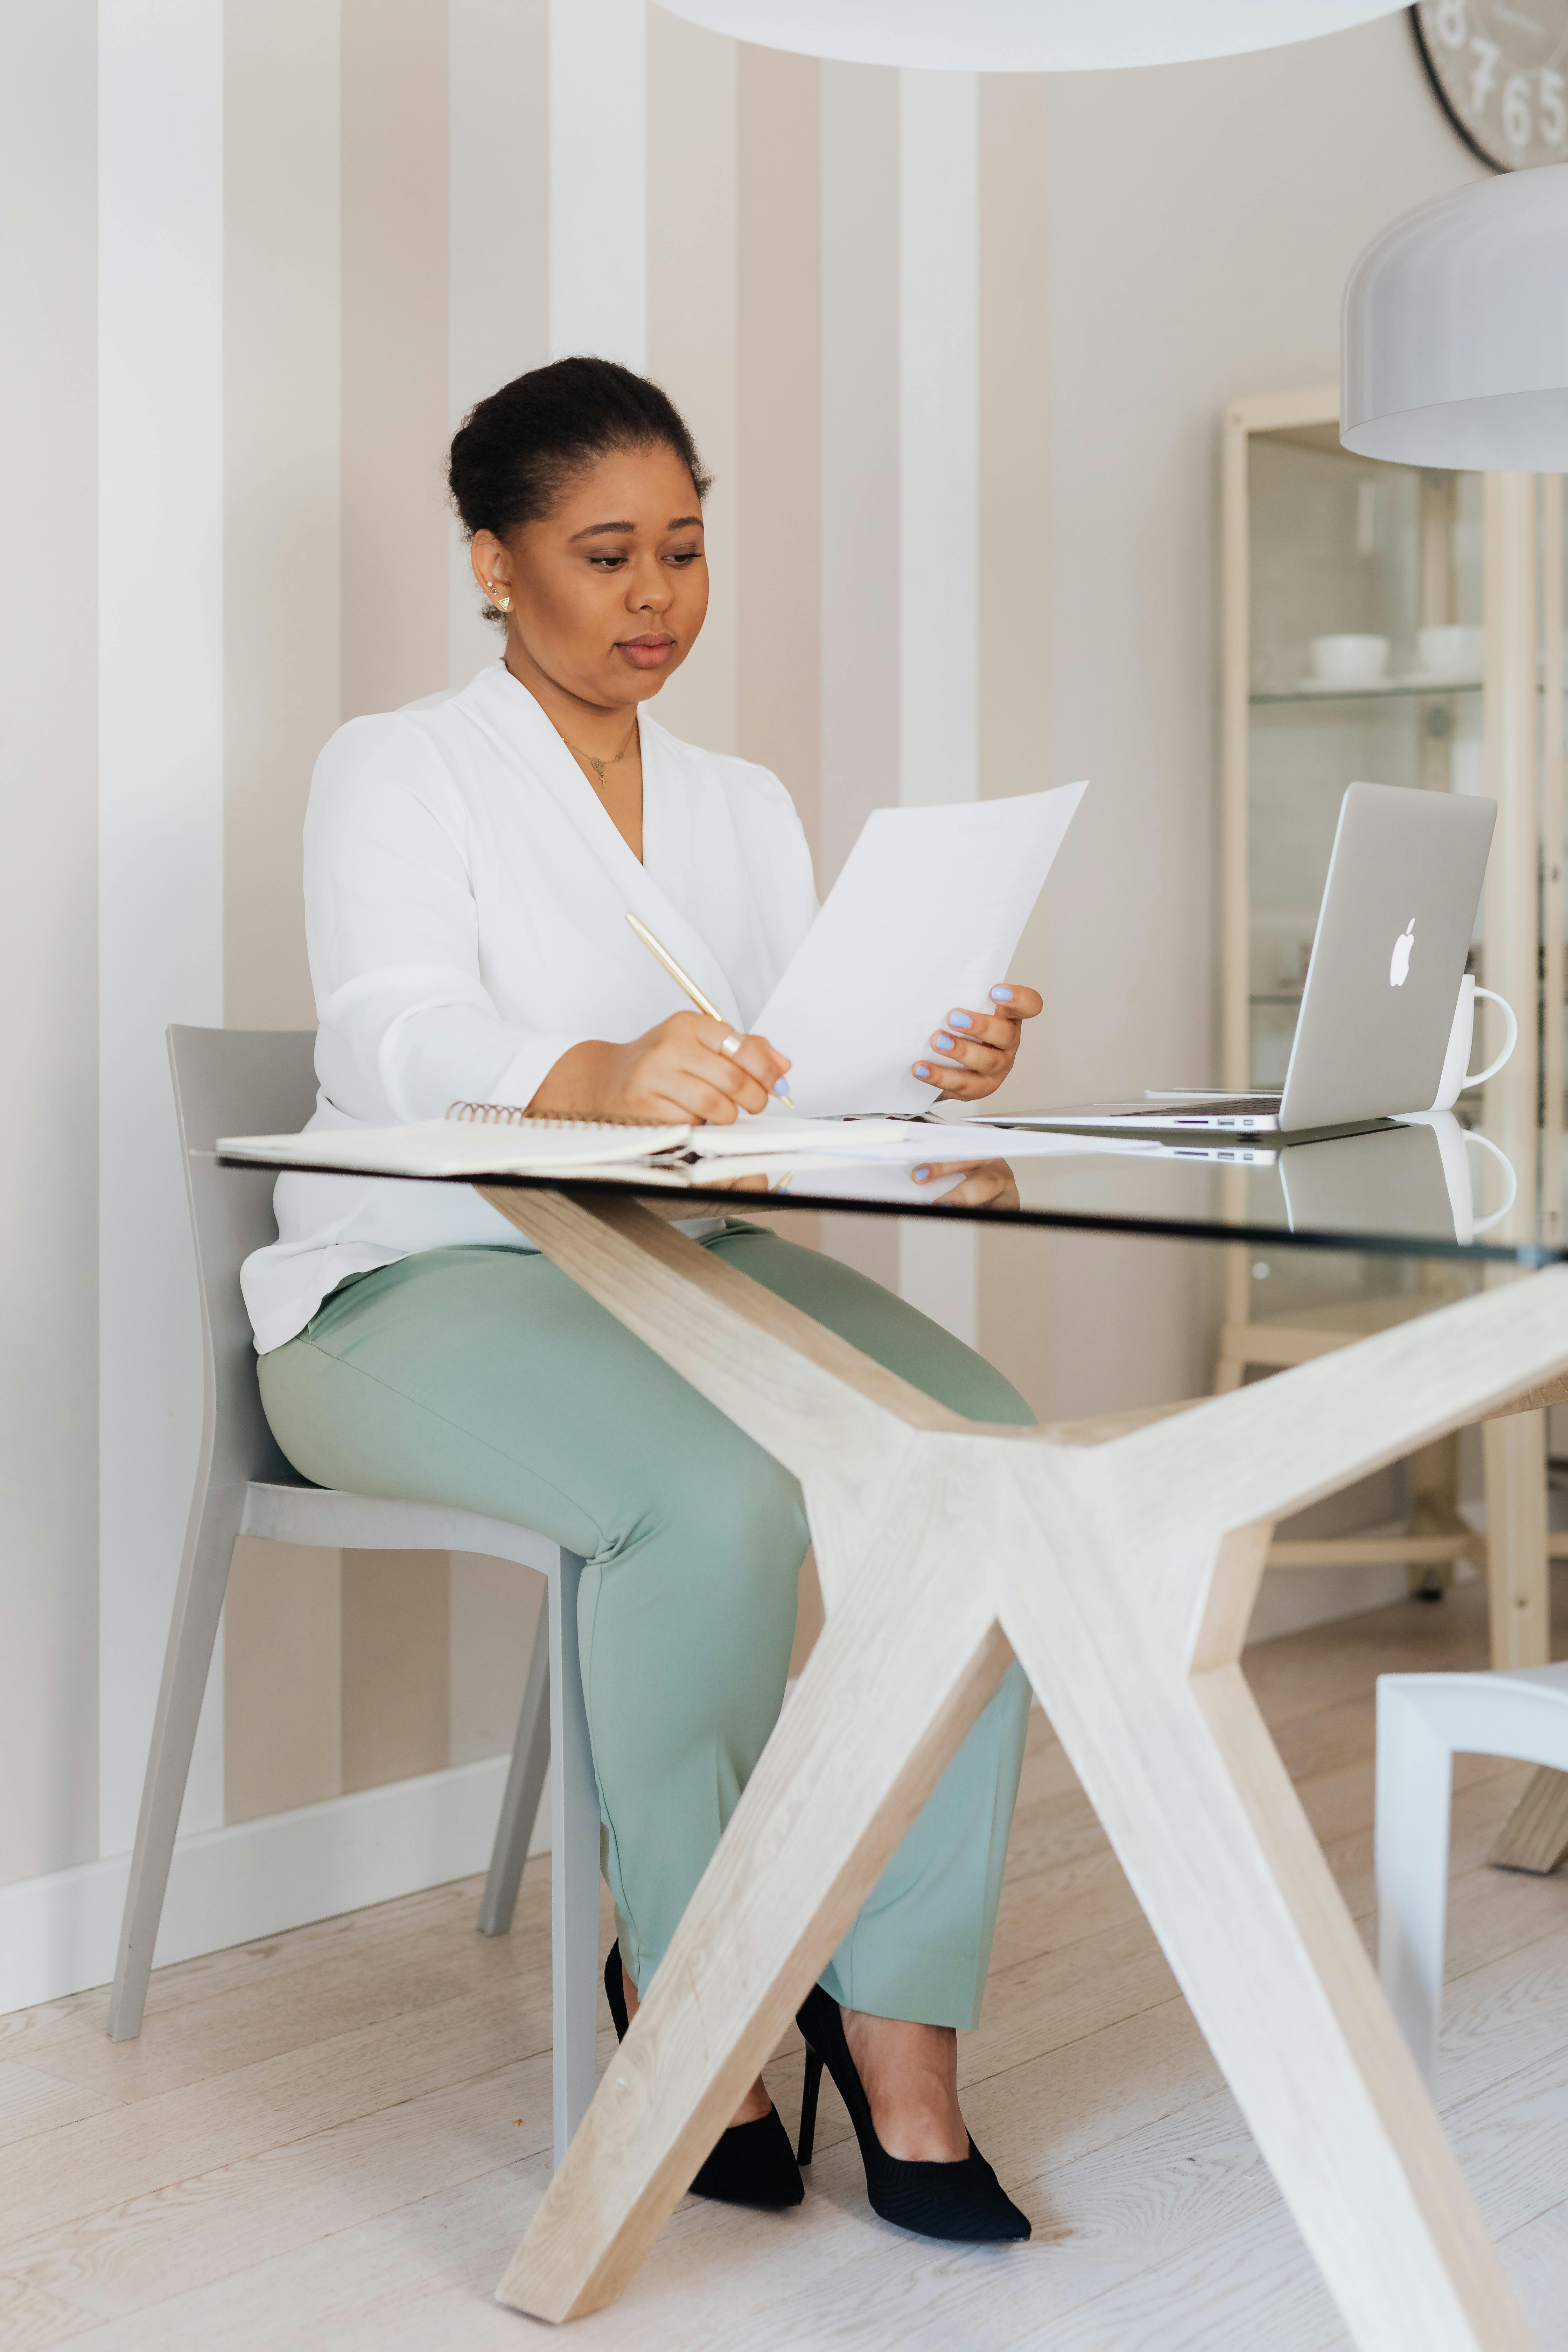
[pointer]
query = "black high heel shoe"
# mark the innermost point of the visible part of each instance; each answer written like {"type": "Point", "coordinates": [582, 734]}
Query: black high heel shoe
{"type": "Point", "coordinates": [752, 2164]}
{"type": "Point", "coordinates": [963, 2201]}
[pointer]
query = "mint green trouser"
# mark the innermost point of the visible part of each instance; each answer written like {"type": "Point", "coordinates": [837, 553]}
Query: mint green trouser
{"type": "Point", "coordinates": [485, 1378]}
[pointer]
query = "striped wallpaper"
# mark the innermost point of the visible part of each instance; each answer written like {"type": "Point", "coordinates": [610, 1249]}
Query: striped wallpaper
{"type": "Point", "coordinates": [953, 347]}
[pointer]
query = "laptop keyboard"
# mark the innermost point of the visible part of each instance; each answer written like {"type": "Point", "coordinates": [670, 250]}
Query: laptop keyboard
{"type": "Point", "coordinates": [1186, 1107]}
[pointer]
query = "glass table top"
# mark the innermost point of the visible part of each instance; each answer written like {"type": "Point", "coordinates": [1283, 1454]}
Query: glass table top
{"type": "Point", "coordinates": [1436, 1186]}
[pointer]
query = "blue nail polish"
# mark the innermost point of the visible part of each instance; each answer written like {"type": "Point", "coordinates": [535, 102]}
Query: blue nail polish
{"type": "Point", "coordinates": [960, 1021]}
{"type": "Point", "coordinates": [921, 1175]}
{"type": "Point", "coordinates": [1002, 996]}
{"type": "Point", "coordinates": [921, 1071]}
{"type": "Point", "coordinates": [780, 1086]}
{"type": "Point", "coordinates": [944, 1044]}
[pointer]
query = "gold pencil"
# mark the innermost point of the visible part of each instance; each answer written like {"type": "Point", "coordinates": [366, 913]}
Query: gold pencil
{"type": "Point", "coordinates": [683, 980]}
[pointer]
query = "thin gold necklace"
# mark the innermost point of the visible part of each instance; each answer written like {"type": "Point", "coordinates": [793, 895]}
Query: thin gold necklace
{"type": "Point", "coordinates": [599, 766]}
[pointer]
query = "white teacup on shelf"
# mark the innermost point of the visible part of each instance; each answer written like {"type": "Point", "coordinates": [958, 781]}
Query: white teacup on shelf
{"type": "Point", "coordinates": [1349, 660]}
{"type": "Point", "coordinates": [1456, 1073]}
{"type": "Point", "coordinates": [1454, 651]}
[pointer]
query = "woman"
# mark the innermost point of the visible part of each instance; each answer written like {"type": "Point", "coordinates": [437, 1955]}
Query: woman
{"type": "Point", "coordinates": [468, 864]}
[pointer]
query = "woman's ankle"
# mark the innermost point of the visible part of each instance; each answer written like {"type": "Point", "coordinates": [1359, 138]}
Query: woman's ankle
{"type": "Point", "coordinates": [910, 2073]}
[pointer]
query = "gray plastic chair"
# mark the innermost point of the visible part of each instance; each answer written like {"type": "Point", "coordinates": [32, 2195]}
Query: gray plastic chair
{"type": "Point", "coordinates": [256, 1082]}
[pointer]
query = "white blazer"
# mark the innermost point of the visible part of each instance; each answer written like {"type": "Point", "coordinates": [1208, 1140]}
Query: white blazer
{"type": "Point", "coordinates": [466, 896]}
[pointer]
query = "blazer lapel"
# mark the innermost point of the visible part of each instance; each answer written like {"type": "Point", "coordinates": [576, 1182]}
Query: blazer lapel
{"type": "Point", "coordinates": [631, 887]}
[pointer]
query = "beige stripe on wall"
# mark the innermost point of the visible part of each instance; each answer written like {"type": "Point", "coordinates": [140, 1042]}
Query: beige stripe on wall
{"type": "Point", "coordinates": [282, 1718]}
{"type": "Point", "coordinates": [778, 337]}
{"type": "Point", "coordinates": [779, 354]}
{"type": "Point", "coordinates": [396, 1693]}
{"type": "Point", "coordinates": [394, 538]}
{"type": "Point", "coordinates": [692, 296]}
{"type": "Point", "coordinates": [1013, 1268]}
{"type": "Point", "coordinates": [859, 243]}
{"type": "Point", "coordinates": [280, 484]}
{"type": "Point", "coordinates": [394, 528]}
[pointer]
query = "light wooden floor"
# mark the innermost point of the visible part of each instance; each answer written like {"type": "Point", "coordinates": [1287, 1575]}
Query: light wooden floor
{"type": "Point", "coordinates": [334, 2138]}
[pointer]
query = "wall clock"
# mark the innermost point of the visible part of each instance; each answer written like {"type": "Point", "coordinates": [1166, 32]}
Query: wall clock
{"type": "Point", "coordinates": [1500, 68]}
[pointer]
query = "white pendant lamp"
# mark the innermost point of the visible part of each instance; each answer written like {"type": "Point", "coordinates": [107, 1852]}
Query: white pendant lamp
{"type": "Point", "coordinates": [1027, 36]}
{"type": "Point", "coordinates": [1455, 350]}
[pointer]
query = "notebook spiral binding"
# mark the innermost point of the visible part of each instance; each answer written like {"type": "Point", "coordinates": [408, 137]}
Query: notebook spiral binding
{"type": "Point", "coordinates": [486, 1114]}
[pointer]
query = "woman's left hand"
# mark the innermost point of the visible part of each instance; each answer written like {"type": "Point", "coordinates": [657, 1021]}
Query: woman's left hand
{"type": "Point", "coordinates": [985, 1044]}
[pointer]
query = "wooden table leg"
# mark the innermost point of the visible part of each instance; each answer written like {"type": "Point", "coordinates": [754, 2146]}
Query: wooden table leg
{"type": "Point", "coordinates": [1535, 1835]}
{"type": "Point", "coordinates": [1515, 1449]}
{"type": "Point", "coordinates": [1121, 1575]}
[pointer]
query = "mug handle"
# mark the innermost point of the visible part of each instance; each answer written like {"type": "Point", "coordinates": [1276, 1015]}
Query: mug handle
{"type": "Point", "coordinates": [1477, 1077]}
{"type": "Point", "coordinates": [1481, 1223]}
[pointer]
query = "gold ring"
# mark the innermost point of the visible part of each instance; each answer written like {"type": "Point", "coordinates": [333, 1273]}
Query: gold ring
{"type": "Point", "coordinates": [730, 1045]}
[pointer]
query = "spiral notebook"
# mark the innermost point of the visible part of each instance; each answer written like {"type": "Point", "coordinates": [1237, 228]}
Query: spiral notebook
{"type": "Point", "coordinates": [478, 1140]}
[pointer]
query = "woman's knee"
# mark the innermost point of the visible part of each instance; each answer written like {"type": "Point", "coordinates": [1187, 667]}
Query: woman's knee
{"type": "Point", "coordinates": [748, 1526]}
{"type": "Point", "coordinates": [729, 1530]}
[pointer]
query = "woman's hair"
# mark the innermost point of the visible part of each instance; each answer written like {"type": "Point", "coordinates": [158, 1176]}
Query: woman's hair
{"type": "Point", "coordinates": [514, 454]}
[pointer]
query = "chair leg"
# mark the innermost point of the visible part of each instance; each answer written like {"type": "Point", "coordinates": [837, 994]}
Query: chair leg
{"type": "Point", "coordinates": [1535, 1835]}
{"type": "Point", "coordinates": [1415, 1783]}
{"type": "Point", "coordinates": [519, 1806]}
{"type": "Point", "coordinates": [187, 1661]}
{"type": "Point", "coordinates": [573, 1865]}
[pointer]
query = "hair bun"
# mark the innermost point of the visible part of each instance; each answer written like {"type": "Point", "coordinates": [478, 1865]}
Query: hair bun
{"type": "Point", "coordinates": [514, 452]}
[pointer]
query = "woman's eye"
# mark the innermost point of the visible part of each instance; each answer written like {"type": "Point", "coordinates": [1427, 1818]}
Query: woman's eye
{"type": "Point", "coordinates": [683, 555]}
{"type": "Point", "coordinates": [607, 562]}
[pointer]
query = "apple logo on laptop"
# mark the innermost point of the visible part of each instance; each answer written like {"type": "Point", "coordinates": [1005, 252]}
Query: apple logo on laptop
{"type": "Point", "coordinates": [1399, 963]}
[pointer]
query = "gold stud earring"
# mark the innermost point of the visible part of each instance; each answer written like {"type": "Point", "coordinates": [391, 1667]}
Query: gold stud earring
{"type": "Point", "coordinates": [501, 604]}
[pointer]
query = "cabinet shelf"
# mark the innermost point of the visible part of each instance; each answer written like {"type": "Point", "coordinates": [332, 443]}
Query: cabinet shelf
{"type": "Point", "coordinates": [1391, 689]}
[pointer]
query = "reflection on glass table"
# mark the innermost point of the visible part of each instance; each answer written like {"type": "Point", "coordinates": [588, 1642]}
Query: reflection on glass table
{"type": "Point", "coordinates": [1421, 1186]}
{"type": "Point", "coordinates": [1425, 1186]}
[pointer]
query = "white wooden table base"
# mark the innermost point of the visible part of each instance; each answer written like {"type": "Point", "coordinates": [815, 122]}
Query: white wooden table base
{"type": "Point", "coordinates": [1122, 1572]}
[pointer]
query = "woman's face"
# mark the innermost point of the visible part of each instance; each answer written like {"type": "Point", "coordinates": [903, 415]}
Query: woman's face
{"type": "Point", "coordinates": [608, 592]}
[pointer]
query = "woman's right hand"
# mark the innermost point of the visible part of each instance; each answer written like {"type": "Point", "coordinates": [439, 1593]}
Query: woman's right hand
{"type": "Point", "coordinates": [674, 1073]}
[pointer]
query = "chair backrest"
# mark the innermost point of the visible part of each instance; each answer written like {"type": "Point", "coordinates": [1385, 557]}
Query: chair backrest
{"type": "Point", "coordinates": [235, 1082]}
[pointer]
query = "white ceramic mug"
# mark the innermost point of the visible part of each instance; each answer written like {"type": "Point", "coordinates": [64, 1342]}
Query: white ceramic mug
{"type": "Point", "coordinates": [1451, 651]}
{"type": "Point", "coordinates": [1456, 1075]}
{"type": "Point", "coordinates": [1349, 660]}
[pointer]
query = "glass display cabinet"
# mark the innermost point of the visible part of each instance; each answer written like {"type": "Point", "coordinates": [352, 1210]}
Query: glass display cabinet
{"type": "Point", "coordinates": [1390, 624]}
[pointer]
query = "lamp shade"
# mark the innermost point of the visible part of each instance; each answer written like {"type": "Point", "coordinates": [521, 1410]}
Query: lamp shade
{"type": "Point", "coordinates": [1025, 35]}
{"type": "Point", "coordinates": [1455, 345]}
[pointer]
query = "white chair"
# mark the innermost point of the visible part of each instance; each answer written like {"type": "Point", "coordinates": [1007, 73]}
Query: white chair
{"type": "Point", "coordinates": [1423, 1722]}
{"type": "Point", "coordinates": [237, 1082]}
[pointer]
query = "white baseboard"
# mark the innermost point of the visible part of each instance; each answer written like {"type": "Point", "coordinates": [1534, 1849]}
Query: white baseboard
{"type": "Point", "coordinates": [59, 1934]}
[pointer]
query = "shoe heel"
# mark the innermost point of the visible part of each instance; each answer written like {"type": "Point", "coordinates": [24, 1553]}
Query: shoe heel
{"type": "Point", "coordinates": [808, 2107]}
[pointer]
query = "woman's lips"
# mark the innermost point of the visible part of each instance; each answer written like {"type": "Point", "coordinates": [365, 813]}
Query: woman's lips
{"type": "Point", "coordinates": [647, 653]}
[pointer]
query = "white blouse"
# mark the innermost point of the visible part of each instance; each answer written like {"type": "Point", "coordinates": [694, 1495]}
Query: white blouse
{"type": "Point", "coordinates": [466, 896]}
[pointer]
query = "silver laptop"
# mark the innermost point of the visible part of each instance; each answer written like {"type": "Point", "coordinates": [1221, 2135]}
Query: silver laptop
{"type": "Point", "coordinates": [1394, 932]}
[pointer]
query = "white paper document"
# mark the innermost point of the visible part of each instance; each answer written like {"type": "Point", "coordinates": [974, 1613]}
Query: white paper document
{"type": "Point", "coordinates": [924, 918]}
